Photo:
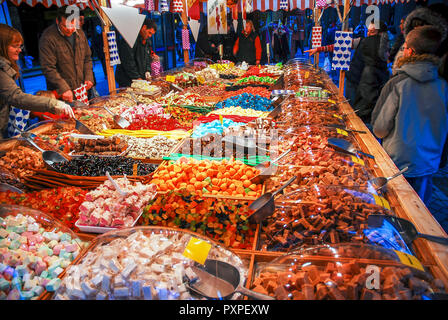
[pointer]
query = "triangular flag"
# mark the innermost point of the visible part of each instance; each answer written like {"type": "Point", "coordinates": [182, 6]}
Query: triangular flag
{"type": "Point", "coordinates": [194, 26]}
{"type": "Point", "coordinates": [194, 11]}
{"type": "Point", "coordinates": [128, 21]}
{"type": "Point", "coordinates": [235, 25]}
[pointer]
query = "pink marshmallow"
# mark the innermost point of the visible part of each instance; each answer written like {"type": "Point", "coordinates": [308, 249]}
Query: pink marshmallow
{"type": "Point", "coordinates": [40, 267]}
{"type": "Point", "coordinates": [71, 247]}
{"type": "Point", "coordinates": [57, 249]}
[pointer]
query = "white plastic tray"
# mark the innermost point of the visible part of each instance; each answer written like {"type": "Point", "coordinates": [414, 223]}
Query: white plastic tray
{"type": "Point", "coordinates": [95, 229]}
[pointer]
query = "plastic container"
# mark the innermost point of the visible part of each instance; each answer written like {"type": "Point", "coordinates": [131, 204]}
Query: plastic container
{"type": "Point", "coordinates": [296, 118]}
{"type": "Point", "coordinates": [321, 214]}
{"type": "Point", "coordinates": [162, 257]}
{"type": "Point", "coordinates": [95, 229]}
{"type": "Point", "coordinates": [343, 272]}
{"type": "Point", "coordinates": [311, 105]}
{"type": "Point", "coordinates": [34, 250]}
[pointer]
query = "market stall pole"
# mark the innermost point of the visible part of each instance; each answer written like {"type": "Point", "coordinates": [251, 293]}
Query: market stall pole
{"type": "Point", "coordinates": [344, 28]}
{"type": "Point", "coordinates": [316, 23]}
{"type": "Point", "coordinates": [109, 69]}
{"type": "Point", "coordinates": [185, 22]}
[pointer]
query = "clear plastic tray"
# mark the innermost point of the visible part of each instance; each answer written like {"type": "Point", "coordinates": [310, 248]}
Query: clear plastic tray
{"type": "Point", "coordinates": [321, 214]}
{"type": "Point", "coordinates": [94, 229]}
{"type": "Point", "coordinates": [23, 263]}
{"type": "Point", "coordinates": [343, 272]}
{"type": "Point", "coordinates": [158, 252]}
{"type": "Point", "coordinates": [311, 105]}
{"type": "Point", "coordinates": [294, 117]}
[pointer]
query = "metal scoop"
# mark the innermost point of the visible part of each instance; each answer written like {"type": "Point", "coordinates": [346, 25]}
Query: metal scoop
{"type": "Point", "coordinates": [220, 280]}
{"type": "Point", "coordinates": [81, 127]}
{"type": "Point", "coordinates": [119, 120]}
{"type": "Point", "coordinates": [264, 206]}
{"type": "Point", "coordinates": [234, 141]}
{"type": "Point", "coordinates": [346, 146]}
{"type": "Point", "coordinates": [266, 168]}
{"type": "Point", "coordinates": [404, 227]}
{"type": "Point", "coordinates": [7, 187]}
{"type": "Point", "coordinates": [50, 157]}
{"type": "Point", "coordinates": [380, 182]}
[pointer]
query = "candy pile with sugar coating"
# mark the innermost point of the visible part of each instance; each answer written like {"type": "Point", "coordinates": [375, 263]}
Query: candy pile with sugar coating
{"type": "Point", "coordinates": [106, 207]}
{"type": "Point", "coordinates": [138, 267]}
{"type": "Point", "coordinates": [31, 258]}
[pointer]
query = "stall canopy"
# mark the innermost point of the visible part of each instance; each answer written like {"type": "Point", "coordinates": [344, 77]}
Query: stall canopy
{"type": "Point", "coordinates": [49, 3]}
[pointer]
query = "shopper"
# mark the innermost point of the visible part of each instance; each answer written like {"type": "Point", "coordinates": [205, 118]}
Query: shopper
{"type": "Point", "coordinates": [298, 36]}
{"type": "Point", "coordinates": [205, 48]}
{"type": "Point", "coordinates": [11, 95]}
{"type": "Point", "coordinates": [411, 115]}
{"type": "Point", "coordinates": [227, 41]}
{"type": "Point", "coordinates": [421, 17]}
{"type": "Point", "coordinates": [248, 46]}
{"type": "Point", "coordinates": [65, 56]}
{"type": "Point", "coordinates": [136, 61]}
{"type": "Point", "coordinates": [399, 40]}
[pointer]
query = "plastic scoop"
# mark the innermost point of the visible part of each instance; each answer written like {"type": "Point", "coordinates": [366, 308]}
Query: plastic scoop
{"type": "Point", "coordinates": [119, 120]}
{"type": "Point", "coordinates": [116, 186]}
{"type": "Point", "coordinates": [380, 182]}
{"type": "Point", "coordinates": [249, 143]}
{"type": "Point", "coordinates": [346, 146]}
{"type": "Point", "coordinates": [404, 227]}
{"type": "Point", "coordinates": [266, 168]}
{"type": "Point", "coordinates": [264, 206]}
{"type": "Point", "coordinates": [220, 280]}
{"type": "Point", "coordinates": [7, 187]}
{"type": "Point", "coordinates": [50, 157]}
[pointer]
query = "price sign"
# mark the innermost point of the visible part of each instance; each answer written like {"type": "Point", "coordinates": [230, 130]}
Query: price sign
{"type": "Point", "coordinates": [343, 132]}
{"type": "Point", "coordinates": [381, 201]}
{"type": "Point", "coordinates": [331, 101]}
{"type": "Point", "coordinates": [337, 116]}
{"type": "Point", "coordinates": [307, 74]}
{"type": "Point", "coordinates": [170, 78]}
{"type": "Point", "coordinates": [355, 159]}
{"type": "Point", "coordinates": [409, 260]}
{"type": "Point", "coordinates": [197, 250]}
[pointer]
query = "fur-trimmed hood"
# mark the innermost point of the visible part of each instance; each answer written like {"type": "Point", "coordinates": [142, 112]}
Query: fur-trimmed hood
{"type": "Point", "coordinates": [421, 67]}
{"type": "Point", "coordinates": [430, 17]}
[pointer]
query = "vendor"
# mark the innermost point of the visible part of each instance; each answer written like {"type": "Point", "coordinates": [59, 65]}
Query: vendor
{"type": "Point", "coordinates": [248, 46]}
{"type": "Point", "coordinates": [11, 43]}
{"type": "Point", "coordinates": [136, 61]}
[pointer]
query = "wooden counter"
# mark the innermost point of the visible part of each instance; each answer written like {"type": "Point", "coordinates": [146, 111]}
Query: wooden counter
{"type": "Point", "coordinates": [404, 200]}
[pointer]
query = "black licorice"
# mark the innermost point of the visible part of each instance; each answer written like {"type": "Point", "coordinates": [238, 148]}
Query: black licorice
{"type": "Point", "coordinates": [94, 166]}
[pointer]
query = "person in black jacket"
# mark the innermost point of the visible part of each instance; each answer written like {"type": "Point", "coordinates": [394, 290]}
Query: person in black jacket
{"type": "Point", "coordinates": [398, 42]}
{"type": "Point", "coordinates": [205, 48]}
{"type": "Point", "coordinates": [136, 61]}
{"type": "Point", "coordinates": [248, 46]}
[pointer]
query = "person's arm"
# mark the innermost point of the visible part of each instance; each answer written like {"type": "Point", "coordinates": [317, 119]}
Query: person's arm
{"type": "Point", "coordinates": [257, 49]}
{"type": "Point", "coordinates": [48, 60]}
{"type": "Point", "coordinates": [383, 50]}
{"type": "Point", "coordinates": [13, 95]}
{"type": "Point", "coordinates": [383, 115]}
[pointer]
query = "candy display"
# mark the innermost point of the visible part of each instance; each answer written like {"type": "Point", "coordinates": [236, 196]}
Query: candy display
{"type": "Point", "coordinates": [241, 112]}
{"type": "Point", "coordinates": [142, 264]}
{"type": "Point", "coordinates": [94, 166]}
{"type": "Point", "coordinates": [107, 207]}
{"type": "Point", "coordinates": [60, 203]}
{"type": "Point", "coordinates": [312, 274]}
{"type": "Point", "coordinates": [254, 80]}
{"type": "Point", "coordinates": [260, 91]}
{"type": "Point", "coordinates": [107, 147]}
{"type": "Point", "coordinates": [189, 99]}
{"type": "Point", "coordinates": [145, 86]}
{"type": "Point", "coordinates": [246, 101]}
{"type": "Point", "coordinates": [156, 122]}
{"type": "Point", "coordinates": [207, 90]}
{"type": "Point", "coordinates": [223, 220]}
{"type": "Point", "coordinates": [96, 119]}
{"type": "Point", "coordinates": [34, 251]}
{"type": "Point", "coordinates": [183, 115]}
{"type": "Point", "coordinates": [214, 127]}
{"type": "Point", "coordinates": [148, 148]}
{"type": "Point", "coordinates": [22, 161]}
{"type": "Point", "coordinates": [208, 177]}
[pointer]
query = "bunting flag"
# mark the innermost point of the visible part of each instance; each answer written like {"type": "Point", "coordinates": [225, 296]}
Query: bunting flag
{"type": "Point", "coordinates": [113, 49]}
{"type": "Point", "coordinates": [178, 6]}
{"type": "Point", "coordinates": [81, 94]}
{"type": "Point", "coordinates": [149, 5]}
{"type": "Point", "coordinates": [321, 3]}
{"type": "Point", "coordinates": [342, 50]}
{"type": "Point", "coordinates": [284, 5]}
{"type": "Point", "coordinates": [185, 39]}
{"type": "Point", "coordinates": [316, 37]}
{"type": "Point", "coordinates": [18, 118]}
{"type": "Point", "coordinates": [164, 7]}
{"type": "Point", "coordinates": [194, 12]}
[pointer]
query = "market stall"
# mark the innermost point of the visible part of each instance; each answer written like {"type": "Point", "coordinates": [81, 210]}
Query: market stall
{"type": "Point", "coordinates": [184, 179]}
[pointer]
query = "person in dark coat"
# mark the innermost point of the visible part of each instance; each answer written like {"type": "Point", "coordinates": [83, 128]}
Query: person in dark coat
{"type": "Point", "coordinates": [399, 40]}
{"type": "Point", "coordinates": [136, 61]}
{"type": "Point", "coordinates": [248, 46]}
{"type": "Point", "coordinates": [374, 50]}
{"type": "Point", "coordinates": [205, 48]}
{"type": "Point", "coordinates": [228, 40]}
{"type": "Point", "coordinates": [411, 115]}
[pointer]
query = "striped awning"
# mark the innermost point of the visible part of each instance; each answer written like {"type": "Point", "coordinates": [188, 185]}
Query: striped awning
{"type": "Point", "coordinates": [49, 3]}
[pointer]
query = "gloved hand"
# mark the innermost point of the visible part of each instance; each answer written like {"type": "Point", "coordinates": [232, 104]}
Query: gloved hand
{"type": "Point", "coordinates": [148, 75]}
{"type": "Point", "coordinates": [63, 108]}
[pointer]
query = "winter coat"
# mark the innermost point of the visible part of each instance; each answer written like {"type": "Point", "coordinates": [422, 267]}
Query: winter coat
{"type": "Point", "coordinates": [12, 96]}
{"type": "Point", "coordinates": [374, 74]}
{"type": "Point", "coordinates": [135, 61]}
{"type": "Point", "coordinates": [64, 68]}
{"type": "Point", "coordinates": [411, 115]}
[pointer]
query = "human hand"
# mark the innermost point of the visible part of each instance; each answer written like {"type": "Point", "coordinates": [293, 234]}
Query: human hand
{"type": "Point", "coordinates": [67, 96]}
{"type": "Point", "coordinates": [257, 62]}
{"type": "Point", "coordinates": [65, 109]}
{"type": "Point", "coordinates": [311, 51]}
{"type": "Point", "coordinates": [89, 84]}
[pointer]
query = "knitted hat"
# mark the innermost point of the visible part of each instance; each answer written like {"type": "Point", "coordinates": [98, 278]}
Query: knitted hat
{"type": "Point", "coordinates": [424, 39]}
{"type": "Point", "coordinates": [426, 17]}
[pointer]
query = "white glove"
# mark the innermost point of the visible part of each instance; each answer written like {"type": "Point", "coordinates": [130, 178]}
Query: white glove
{"type": "Point", "coordinates": [63, 108]}
{"type": "Point", "coordinates": [148, 75]}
